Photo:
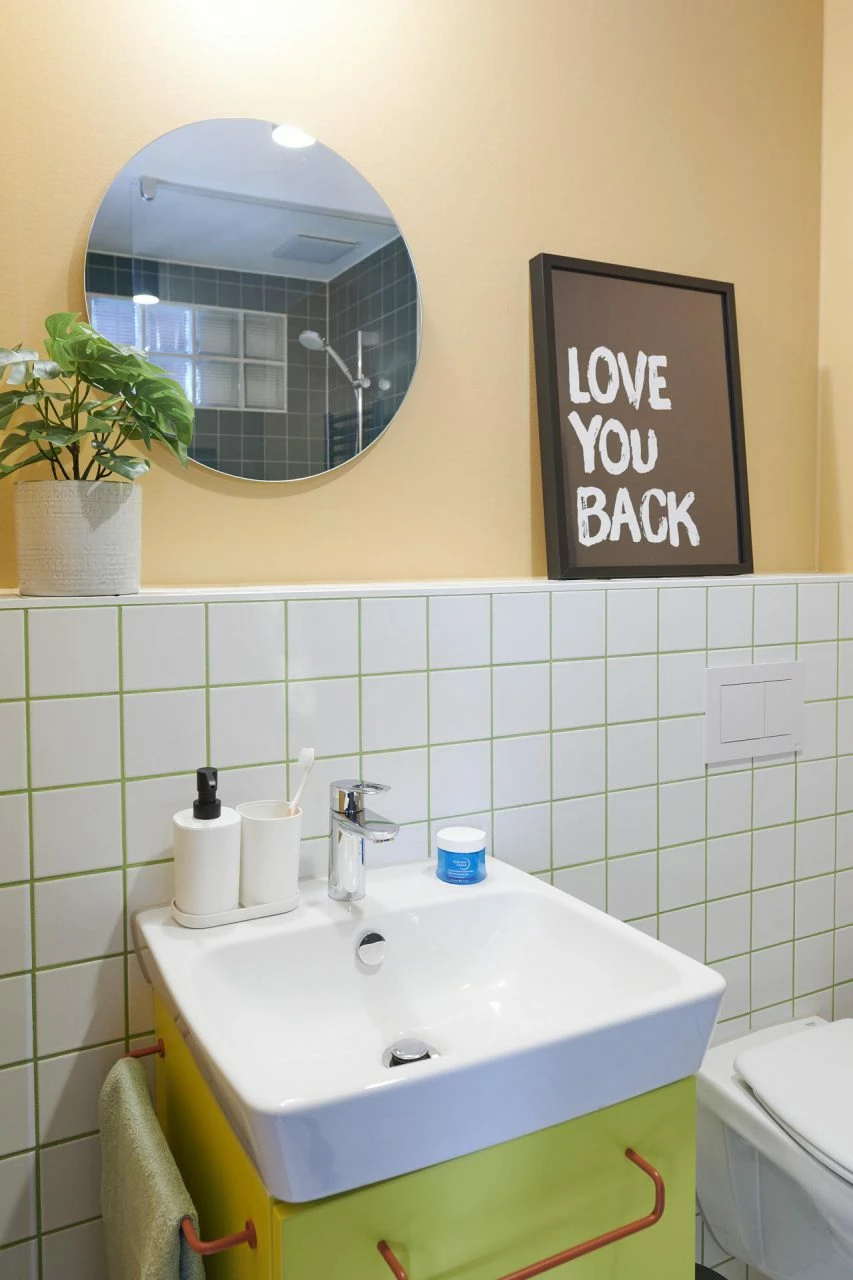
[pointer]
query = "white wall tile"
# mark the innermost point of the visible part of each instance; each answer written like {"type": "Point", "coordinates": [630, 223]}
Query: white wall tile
{"type": "Point", "coordinates": [16, 1009]}
{"type": "Point", "coordinates": [631, 689]}
{"type": "Point", "coordinates": [816, 1005]}
{"type": "Point", "coordinates": [815, 788]}
{"type": "Point", "coordinates": [460, 778]}
{"type": "Point", "coordinates": [520, 627]}
{"type": "Point", "coordinates": [17, 1110]}
{"type": "Point", "coordinates": [164, 732]}
{"type": "Point", "coordinates": [14, 929]}
{"type": "Point", "coordinates": [74, 740]}
{"type": "Point", "coordinates": [682, 618]}
{"type": "Point", "coordinates": [522, 837]}
{"type": "Point", "coordinates": [681, 684]}
{"type": "Point", "coordinates": [769, 653]}
{"type": "Point", "coordinates": [845, 724]}
{"type": "Point", "coordinates": [682, 812]}
{"type": "Point", "coordinates": [77, 829]}
{"type": "Point", "coordinates": [728, 865]}
{"type": "Point", "coordinates": [522, 770]}
{"type": "Point", "coordinates": [393, 711]}
{"type": "Point", "coordinates": [140, 999]}
{"type": "Point", "coordinates": [813, 963]}
{"type": "Point", "coordinates": [80, 1005]}
{"type": "Point", "coordinates": [815, 846]}
{"type": "Point", "coordinates": [843, 822]}
{"type": "Point", "coordinates": [773, 796]}
{"type": "Point", "coordinates": [162, 646]}
{"type": "Point", "coordinates": [393, 634]}
{"type": "Point", "coordinates": [632, 886]}
{"type": "Point", "coordinates": [411, 844]}
{"type": "Point", "coordinates": [246, 642]}
{"type": "Point", "coordinates": [73, 651]}
{"type": "Point", "coordinates": [460, 704]}
{"type": "Point", "coordinates": [823, 666]}
{"type": "Point", "coordinates": [632, 754]}
{"type": "Point", "coordinates": [315, 799]}
{"type": "Point", "coordinates": [684, 930]}
{"type": "Point", "coordinates": [81, 918]}
{"type": "Point", "coordinates": [579, 827]}
{"type": "Point", "coordinates": [69, 1087]}
{"type": "Point", "coordinates": [21, 1261]}
{"type": "Point", "coordinates": [588, 883]}
{"type": "Point", "coordinates": [577, 692]}
{"type": "Point", "coordinates": [150, 806]}
{"type": "Point", "coordinates": [632, 821]}
{"type": "Point", "coordinates": [729, 617]}
{"type": "Point", "coordinates": [151, 884]}
{"type": "Point", "coordinates": [260, 782]}
{"type": "Point", "coordinates": [729, 803]}
{"type": "Point", "coordinates": [247, 724]}
{"type": "Point", "coordinates": [578, 624]}
{"type": "Point", "coordinates": [17, 1198]}
{"type": "Point", "coordinates": [819, 733]}
{"type": "Point", "coordinates": [75, 1254]}
{"type": "Point", "coordinates": [772, 855]}
{"type": "Point", "coordinates": [776, 614]}
{"type": "Point", "coordinates": [12, 676]}
{"type": "Point", "coordinates": [323, 714]}
{"type": "Point", "coordinates": [459, 631]}
{"type": "Point", "coordinates": [15, 845]}
{"type": "Point", "coordinates": [632, 620]}
{"type": "Point", "coordinates": [406, 773]}
{"type": "Point", "coordinates": [843, 940]}
{"type": "Point", "coordinates": [70, 1182]}
{"type": "Point", "coordinates": [814, 905]}
{"type": "Point", "coordinates": [681, 748]}
{"type": "Point", "coordinates": [578, 762]}
{"type": "Point", "coordinates": [845, 609]}
{"type": "Point", "coordinates": [773, 915]}
{"type": "Point", "coordinates": [322, 638]}
{"type": "Point", "coordinates": [736, 996]}
{"type": "Point", "coordinates": [13, 746]}
{"type": "Point", "coordinates": [727, 927]}
{"type": "Point", "coordinates": [818, 611]}
{"type": "Point", "coordinates": [772, 975]}
{"type": "Point", "coordinates": [682, 875]}
{"type": "Point", "coordinates": [844, 781]}
{"type": "Point", "coordinates": [521, 699]}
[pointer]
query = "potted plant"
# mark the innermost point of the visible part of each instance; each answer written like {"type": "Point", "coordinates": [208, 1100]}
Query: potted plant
{"type": "Point", "coordinates": [79, 533]}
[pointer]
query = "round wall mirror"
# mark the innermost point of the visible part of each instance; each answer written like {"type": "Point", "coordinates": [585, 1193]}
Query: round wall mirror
{"type": "Point", "coordinates": [269, 278]}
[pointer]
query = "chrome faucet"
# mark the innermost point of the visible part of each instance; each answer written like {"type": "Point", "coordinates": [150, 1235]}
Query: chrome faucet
{"type": "Point", "coordinates": [351, 826]}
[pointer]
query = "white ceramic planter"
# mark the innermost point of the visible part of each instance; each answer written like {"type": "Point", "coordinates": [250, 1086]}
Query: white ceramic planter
{"type": "Point", "coordinates": [78, 537]}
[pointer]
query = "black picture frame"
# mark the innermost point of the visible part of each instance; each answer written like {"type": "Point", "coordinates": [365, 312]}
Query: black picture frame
{"type": "Point", "coordinates": [563, 552]}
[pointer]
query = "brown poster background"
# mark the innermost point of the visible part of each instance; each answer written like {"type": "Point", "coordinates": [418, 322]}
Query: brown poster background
{"type": "Point", "coordinates": [695, 447]}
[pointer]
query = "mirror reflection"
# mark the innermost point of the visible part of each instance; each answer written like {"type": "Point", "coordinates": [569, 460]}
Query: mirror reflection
{"type": "Point", "coordinates": [270, 279]}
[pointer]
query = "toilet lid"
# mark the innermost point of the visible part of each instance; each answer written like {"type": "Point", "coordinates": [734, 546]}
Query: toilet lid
{"type": "Point", "coordinates": [806, 1083]}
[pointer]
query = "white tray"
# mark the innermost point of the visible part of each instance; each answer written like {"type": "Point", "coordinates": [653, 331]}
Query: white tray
{"type": "Point", "coordinates": [234, 916]}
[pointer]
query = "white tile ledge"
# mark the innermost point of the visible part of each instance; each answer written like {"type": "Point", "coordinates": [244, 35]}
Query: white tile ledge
{"type": "Point", "coordinates": [11, 599]}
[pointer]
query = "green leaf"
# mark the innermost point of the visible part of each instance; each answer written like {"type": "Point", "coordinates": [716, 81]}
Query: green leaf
{"type": "Point", "coordinates": [46, 369]}
{"type": "Point", "coordinates": [15, 356]}
{"type": "Point", "coordinates": [58, 436]}
{"type": "Point", "coordinates": [124, 464]}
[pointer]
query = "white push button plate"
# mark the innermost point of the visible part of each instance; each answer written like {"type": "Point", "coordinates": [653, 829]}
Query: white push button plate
{"type": "Point", "coordinates": [753, 711]}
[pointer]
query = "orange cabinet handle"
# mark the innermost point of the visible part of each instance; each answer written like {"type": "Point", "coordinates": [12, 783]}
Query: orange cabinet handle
{"type": "Point", "coordinates": [206, 1247]}
{"type": "Point", "coordinates": [577, 1251]}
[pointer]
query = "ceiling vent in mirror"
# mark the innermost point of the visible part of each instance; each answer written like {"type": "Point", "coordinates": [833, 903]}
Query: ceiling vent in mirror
{"type": "Point", "coordinates": [322, 249]}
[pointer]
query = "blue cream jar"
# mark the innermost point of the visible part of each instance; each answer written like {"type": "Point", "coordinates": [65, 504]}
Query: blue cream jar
{"type": "Point", "coordinates": [461, 855]}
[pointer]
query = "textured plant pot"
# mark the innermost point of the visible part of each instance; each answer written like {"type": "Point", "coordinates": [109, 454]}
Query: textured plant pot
{"type": "Point", "coordinates": [78, 537]}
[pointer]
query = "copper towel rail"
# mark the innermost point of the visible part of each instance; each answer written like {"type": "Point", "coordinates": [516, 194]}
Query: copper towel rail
{"type": "Point", "coordinates": [577, 1251]}
{"type": "Point", "coordinates": [247, 1236]}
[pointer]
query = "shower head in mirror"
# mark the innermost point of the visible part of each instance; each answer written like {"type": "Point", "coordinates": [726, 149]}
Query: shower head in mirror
{"type": "Point", "coordinates": [311, 340]}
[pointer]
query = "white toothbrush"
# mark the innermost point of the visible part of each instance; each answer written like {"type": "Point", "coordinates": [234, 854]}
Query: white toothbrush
{"type": "Point", "coordinates": [306, 759]}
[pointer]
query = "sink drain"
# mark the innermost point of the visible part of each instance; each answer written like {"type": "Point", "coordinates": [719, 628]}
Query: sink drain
{"type": "Point", "coordinates": [404, 1052]}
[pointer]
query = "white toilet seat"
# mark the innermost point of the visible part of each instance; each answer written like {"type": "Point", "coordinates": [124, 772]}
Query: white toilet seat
{"type": "Point", "coordinates": [805, 1083]}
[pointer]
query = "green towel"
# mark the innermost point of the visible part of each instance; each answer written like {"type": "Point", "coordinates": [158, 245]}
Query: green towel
{"type": "Point", "coordinates": [143, 1197]}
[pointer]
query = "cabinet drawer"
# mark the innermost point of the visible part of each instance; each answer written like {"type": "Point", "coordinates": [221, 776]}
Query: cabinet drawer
{"type": "Point", "coordinates": [496, 1211]}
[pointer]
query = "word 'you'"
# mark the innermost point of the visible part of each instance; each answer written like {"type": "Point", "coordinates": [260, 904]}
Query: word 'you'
{"type": "Point", "coordinates": [660, 515]}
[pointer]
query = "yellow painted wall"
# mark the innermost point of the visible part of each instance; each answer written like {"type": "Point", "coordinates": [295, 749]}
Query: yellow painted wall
{"type": "Point", "coordinates": [835, 513]}
{"type": "Point", "coordinates": [682, 135]}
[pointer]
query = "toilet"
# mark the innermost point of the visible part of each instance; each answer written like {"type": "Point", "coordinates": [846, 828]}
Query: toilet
{"type": "Point", "coordinates": [775, 1148]}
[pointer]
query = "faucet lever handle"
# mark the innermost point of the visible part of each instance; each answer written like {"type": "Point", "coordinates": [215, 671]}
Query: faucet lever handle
{"type": "Point", "coordinates": [346, 796]}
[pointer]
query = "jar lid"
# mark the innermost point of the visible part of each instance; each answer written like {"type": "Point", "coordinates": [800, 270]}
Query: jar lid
{"type": "Point", "coordinates": [461, 839]}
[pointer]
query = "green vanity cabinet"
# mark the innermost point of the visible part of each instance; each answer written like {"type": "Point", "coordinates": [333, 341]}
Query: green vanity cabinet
{"type": "Point", "coordinates": [480, 1217]}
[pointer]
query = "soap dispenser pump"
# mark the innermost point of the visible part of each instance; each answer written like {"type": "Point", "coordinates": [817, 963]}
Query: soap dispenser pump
{"type": "Point", "coordinates": [207, 851]}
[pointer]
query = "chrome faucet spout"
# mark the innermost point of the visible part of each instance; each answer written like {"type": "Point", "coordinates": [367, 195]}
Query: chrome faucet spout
{"type": "Point", "coordinates": [351, 827]}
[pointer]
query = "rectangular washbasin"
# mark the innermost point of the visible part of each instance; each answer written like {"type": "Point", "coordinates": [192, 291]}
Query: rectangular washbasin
{"type": "Point", "coordinates": [536, 1008]}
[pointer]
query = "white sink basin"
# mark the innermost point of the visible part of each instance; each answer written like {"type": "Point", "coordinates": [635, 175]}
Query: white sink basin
{"type": "Point", "coordinates": [540, 1009]}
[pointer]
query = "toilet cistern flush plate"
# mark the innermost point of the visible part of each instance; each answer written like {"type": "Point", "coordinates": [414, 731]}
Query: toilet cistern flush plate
{"type": "Point", "coordinates": [534, 1008]}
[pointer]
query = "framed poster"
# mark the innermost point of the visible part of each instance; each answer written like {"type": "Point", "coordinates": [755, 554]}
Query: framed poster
{"type": "Point", "coordinates": [640, 422]}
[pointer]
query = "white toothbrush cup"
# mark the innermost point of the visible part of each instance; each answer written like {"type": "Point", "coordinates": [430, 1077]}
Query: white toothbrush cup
{"type": "Point", "coordinates": [269, 864]}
